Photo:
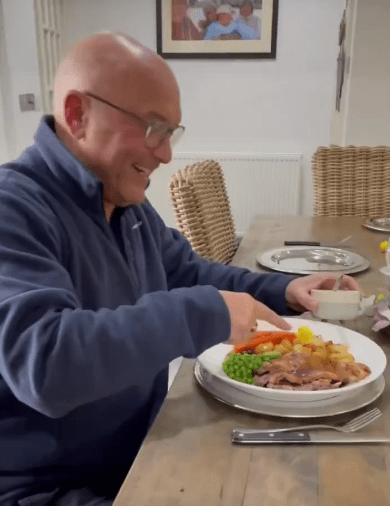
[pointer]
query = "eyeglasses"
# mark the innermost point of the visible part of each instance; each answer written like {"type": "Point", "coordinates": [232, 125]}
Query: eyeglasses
{"type": "Point", "coordinates": [156, 130]}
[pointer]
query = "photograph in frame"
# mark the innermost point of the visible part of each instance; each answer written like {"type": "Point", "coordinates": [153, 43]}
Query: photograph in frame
{"type": "Point", "coordinates": [217, 28]}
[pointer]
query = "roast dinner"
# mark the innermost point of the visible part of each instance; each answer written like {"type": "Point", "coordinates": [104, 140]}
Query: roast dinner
{"type": "Point", "coordinates": [293, 361]}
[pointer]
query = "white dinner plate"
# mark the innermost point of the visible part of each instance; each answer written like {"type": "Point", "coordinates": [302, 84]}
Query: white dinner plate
{"type": "Point", "coordinates": [310, 259]}
{"type": "Point", "coordinates": [361, 347]}
{"type": "Point", "coordinates": [378, 224]}
{"type": "Point", "coordinates": [316, 409]}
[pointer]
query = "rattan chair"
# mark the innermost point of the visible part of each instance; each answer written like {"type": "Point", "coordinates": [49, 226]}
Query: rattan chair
{"type": "Point", "coordinates": [202, 210]}
{"type": "Point", "coordinates": [351, 181]}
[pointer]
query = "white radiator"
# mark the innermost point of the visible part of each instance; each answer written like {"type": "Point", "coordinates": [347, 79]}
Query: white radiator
{"type": "Point", "coordinates": [256, 183]}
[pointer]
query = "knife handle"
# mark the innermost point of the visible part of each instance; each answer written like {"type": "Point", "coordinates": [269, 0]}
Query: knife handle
{"type": "Point", "coordinates": [258, 437]}
{"type": "Point", "coordinates": [301, 243]}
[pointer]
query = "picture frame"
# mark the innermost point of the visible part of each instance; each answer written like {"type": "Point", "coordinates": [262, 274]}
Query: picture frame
{"type": "Point", "coordinates": [193, 29]}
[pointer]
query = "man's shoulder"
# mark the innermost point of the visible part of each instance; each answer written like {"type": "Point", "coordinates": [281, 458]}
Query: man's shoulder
{"type": "Point", "coordinates": [19, 174]}
{"type": "Point", "coordinates": [22, 184]}
{"type": "Point", "coordinates": [14, 175]}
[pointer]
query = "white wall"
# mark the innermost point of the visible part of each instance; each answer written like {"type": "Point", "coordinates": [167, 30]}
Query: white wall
{"type": "Point", "coordinates": [19, 74]}
{"type": "Point", "coordinates": [368, 120]}
{"type": "Point", "coordinates": [243, 105]}
{"type": "Point", "coordinates": [228, 105]}
{"type": "Point", "coordinates": [364, 118]}
{"type": "Point", "coordinates": [3, 71]}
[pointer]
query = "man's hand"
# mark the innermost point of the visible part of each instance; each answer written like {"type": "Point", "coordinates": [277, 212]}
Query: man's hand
{"type": "Point", "coordinates": [298, 291]}
{"type": "Point", "coordinates": [244, 311]}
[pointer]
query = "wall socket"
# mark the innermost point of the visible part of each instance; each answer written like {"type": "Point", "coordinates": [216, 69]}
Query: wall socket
{"type": "Point", "coordinates": [27, 102]}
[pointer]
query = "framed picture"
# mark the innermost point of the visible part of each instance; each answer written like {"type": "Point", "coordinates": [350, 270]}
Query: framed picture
{"type": "Point", "coordinates": [217, 28]}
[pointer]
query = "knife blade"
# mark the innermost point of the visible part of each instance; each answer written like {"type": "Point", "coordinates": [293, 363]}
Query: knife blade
{"type": "Point", "coordinates": [316, 243]}
{"type": "Point", "coordinates": [305, 437]}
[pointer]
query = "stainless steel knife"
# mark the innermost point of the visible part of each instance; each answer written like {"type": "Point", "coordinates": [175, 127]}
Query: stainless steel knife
{"type": "Point", "coordinates": [304, 437]}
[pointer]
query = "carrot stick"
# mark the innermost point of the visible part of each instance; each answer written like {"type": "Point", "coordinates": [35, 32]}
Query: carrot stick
{"type": "Point", "coordinates": [273, 337]}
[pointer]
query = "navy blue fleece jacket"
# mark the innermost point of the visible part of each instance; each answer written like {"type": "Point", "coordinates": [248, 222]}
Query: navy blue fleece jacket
{"type": "Point", "coordinates": [91, 314]}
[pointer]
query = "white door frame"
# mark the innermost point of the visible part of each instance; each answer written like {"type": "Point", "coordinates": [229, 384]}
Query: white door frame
{"type": "Point", "coordinates": [7, 129]}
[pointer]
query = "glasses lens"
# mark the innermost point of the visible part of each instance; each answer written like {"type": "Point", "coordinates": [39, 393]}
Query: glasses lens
{"type": "Point", "coordinates": [177, 135]}
{"type": "Point", "coordinates": [157, 133]}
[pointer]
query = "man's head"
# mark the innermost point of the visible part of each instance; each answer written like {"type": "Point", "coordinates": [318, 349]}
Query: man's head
{"type": "Point", "coordinates": [103, 74]}
{"type": "Point", "coordinates": [224, 15]}
{"type": "Point", "coordinates": [246, 9]}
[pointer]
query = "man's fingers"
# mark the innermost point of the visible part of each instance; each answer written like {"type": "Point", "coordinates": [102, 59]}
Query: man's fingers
{"type": "Point", "coordinates": [244, 313]}
{"type": "Point", "coordinates": [350, 283]}
{"type": "Point", "coordinates": [307, 301]}
{"type": "Point", "coordinates": [271, 317]}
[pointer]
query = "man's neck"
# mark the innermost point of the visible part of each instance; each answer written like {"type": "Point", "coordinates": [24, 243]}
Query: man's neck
{"type": "Point", "coordinates": [108, 209]}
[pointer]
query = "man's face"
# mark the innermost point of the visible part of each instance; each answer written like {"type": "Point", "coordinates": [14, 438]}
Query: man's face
{"type": "Point", "coordinates": [246, 10]}
{"type": "Point", "coordinates": [114, 147]}
{"type": "Point", "coordinates": [225, 19]}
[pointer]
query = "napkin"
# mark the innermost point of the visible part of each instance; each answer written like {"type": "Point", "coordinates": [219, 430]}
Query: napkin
{"type": "Point", "coordinates": [381, 316]}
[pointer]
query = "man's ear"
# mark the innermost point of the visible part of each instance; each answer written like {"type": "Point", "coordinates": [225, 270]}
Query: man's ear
{"type": "Point", "coordinates": [74, 114]}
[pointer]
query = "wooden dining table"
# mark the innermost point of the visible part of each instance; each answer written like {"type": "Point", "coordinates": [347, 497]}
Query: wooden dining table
{"type": "Point", "coordinates": [188, 458]}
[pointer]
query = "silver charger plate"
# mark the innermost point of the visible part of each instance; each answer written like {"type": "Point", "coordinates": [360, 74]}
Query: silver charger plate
{"type": "Point", "coordinates": [263, 406]}
{"type": "Point", "coordinates": [310, 259]}
{"type": "Point", "coordinates": [378, 224]}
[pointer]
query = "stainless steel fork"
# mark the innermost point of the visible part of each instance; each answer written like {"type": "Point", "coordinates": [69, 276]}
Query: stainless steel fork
{"type": "Point", "coordinates": [352, 426]}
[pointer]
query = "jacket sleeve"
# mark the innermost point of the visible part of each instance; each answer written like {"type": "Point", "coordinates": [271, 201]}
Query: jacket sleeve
{"type": "Point", "coordinates": [54, 354]}
{"type": "Point", "coordinates": [185, 268]}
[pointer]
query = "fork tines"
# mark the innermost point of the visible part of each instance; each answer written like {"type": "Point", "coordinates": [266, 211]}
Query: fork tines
{"type": "Point", "coordinates": [364, 419]}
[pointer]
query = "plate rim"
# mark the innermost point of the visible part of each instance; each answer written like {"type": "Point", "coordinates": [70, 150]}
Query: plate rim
{"type": "Point", "coordinates": [310, 413]}
{"type": "Point", "coordinates": [363, 265]}
{"type": "Point", "coordinates": [301, 321]}
{"type": "Point", "coordinates": [368, 224]}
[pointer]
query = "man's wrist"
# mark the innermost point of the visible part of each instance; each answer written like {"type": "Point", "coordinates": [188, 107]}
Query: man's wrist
{"type": "Point", "coordinates": [294, 307]}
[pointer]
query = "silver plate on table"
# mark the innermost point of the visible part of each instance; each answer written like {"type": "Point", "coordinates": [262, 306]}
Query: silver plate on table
{"type": "Point", "coordinates": [311, 259]}
{"type": "Point", "coordinates": [264, 406]}
{"type": "Point", "coordinates": [378, 224]}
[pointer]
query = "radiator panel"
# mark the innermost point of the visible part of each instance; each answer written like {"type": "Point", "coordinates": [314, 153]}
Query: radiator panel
{"type": "Point", "coordinates": [266, 184]}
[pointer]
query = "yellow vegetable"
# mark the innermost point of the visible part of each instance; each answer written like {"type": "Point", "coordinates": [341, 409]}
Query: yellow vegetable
{"type": "Point", "coordinates": [340, 348]}
{"type": "Point", "coordinates": [298, 348]}
{"type": "Point", "coordinates": [318, 341]}
{"type": "Point", "coordinates": [262, 348]}
{"type": "Point", "coordinates": [304, 335]}
{"type": "Point", "coordinates": [383, 246]}
{"type": "Point", "coordinates": [346, 358]}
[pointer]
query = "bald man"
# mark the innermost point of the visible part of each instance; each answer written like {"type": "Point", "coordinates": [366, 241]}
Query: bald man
{"type": "Point", "coordinates": [97, 296]}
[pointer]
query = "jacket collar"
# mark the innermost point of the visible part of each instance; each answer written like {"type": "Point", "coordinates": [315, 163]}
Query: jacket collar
{"type": "Point", "coordinates": [73, 177]}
